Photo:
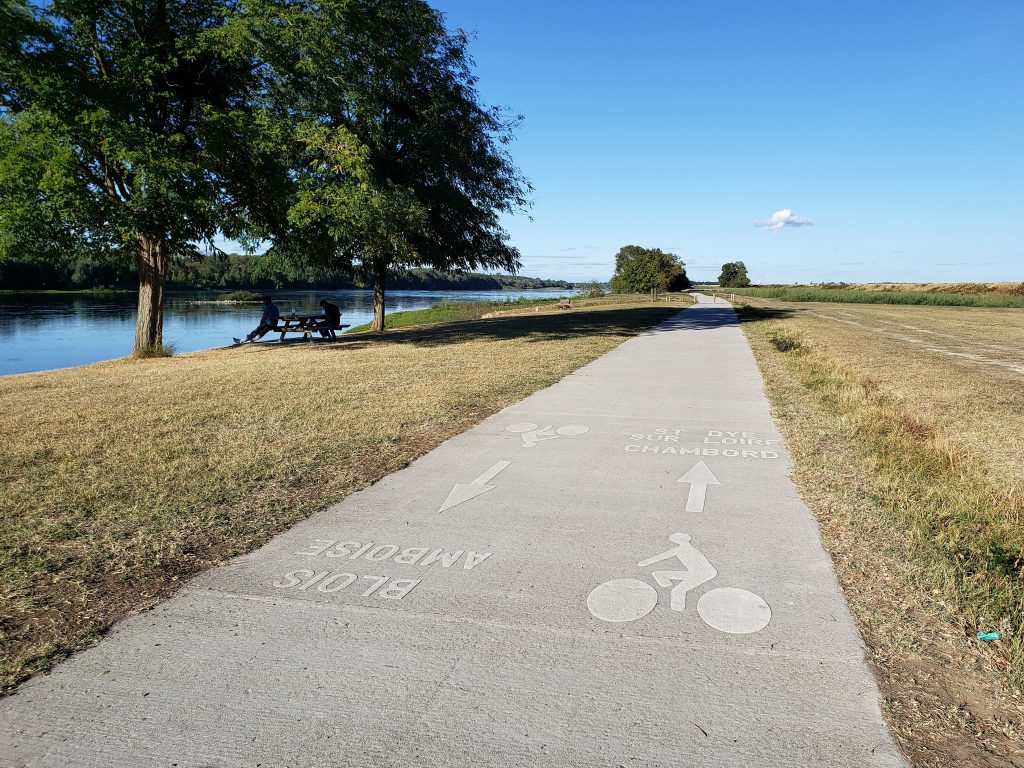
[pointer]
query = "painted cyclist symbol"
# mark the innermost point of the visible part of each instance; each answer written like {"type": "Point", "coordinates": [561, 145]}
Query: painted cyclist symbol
{"type": "Point", "coordinates": [728, 609]}
{"type": "Point", "coordinates": [533, 434]}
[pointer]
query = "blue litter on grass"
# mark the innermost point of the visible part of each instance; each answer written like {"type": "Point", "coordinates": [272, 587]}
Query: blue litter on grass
{"type": "Point", "coordinates": [988, 636]}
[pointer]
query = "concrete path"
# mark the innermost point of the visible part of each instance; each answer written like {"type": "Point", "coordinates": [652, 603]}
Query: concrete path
{"type": "Point", "coordinates": [614, 572]}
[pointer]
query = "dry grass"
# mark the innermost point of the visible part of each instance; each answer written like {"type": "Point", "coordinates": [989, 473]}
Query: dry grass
{"type": "Point", "coordinates": [121, 479]}
{"type": "Point", "coordinates": [996, 289]}
{"type": "Point", "coordinates": [910, 458]}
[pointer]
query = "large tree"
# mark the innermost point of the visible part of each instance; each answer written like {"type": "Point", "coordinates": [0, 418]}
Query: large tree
{"type": "Point", "coordinates": [639, 270]}
{"type": "Point", "coordinates": [135, 127]}
{"type": "Point", "coordinates": [734, 275]}
{"type": "Point", "coordinates": [397, 161]}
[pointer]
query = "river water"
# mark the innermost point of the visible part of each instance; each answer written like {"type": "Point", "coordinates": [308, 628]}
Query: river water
{"type": "Point", "coordinates": [41, 332]}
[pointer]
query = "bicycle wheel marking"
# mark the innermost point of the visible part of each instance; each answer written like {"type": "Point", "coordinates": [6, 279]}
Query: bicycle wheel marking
{"type": "Point", "coordinates": [727, 609]}
{"type": "Point", "coordinates": [622, 600]}
{"type": "Point", "coordinates": [733, 610]}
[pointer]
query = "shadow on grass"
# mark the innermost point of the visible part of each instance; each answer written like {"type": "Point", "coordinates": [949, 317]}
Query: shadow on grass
{"type": "Point", "coordinates": [568, 325]}
{"type": "Point", "coordinates": [748, 314]}
{"type": "Point", "coordinates": [624, 322]}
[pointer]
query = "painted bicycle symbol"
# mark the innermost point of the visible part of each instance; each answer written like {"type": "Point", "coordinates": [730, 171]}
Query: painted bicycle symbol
{"type": "Point", "coordinates": [728, 609]}
{"type": "Point", "coordinates": [533, 434]}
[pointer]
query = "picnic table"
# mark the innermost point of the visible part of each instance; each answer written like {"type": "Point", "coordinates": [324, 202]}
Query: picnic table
{"type": "Point", "coordinates": [307, 325]}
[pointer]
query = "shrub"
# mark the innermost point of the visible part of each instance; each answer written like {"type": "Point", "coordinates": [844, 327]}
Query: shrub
{"type": "Point", "coordinates": [241, 296]}
{"type": "Point", "coordinates": [159, 350]}
{"type": "Point", "coordinates": [784, 342]}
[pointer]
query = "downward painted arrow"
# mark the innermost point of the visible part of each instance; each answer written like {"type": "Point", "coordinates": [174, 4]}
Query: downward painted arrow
{"type": "Point", "coordinates": [463, 492]}
{"type": "Point", "coordinates": [699, 478]}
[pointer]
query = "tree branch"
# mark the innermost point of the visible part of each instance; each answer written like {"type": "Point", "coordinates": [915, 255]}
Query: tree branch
{"type": "Point", "coordinates": [96, 54]}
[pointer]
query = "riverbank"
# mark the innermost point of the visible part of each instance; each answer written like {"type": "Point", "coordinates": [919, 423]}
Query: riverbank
{"type": "Point", "coordinates": [48, 331]}
{"type": "Point", "coordinates": [121, 480]}
{"type": "Point", "coordinates": [906, 426]}
{"type": "Point", "coordinates": [455, 311]}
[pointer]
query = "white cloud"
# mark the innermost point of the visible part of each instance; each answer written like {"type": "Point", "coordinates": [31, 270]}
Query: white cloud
{"type": "Point", "coordinates": [782, 219]}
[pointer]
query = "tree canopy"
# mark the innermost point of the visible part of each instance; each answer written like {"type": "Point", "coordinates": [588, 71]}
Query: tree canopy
{"type": "Point", "coordinates": [734, 275]}
{"type": "Point", "coordinates": [343, 133]}
{"type": "Point", "coordinates": [639, 270]}
{"type": "Point", "coordinates": [398, 162]}
{"type": "Point", "coordinates": [131, 130]}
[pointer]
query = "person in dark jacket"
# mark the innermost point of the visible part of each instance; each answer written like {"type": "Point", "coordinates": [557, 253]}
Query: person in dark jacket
{"type": "Point", "coordinates": [332, 319]}
{"type": "Point", "coordinates": [267, 322]}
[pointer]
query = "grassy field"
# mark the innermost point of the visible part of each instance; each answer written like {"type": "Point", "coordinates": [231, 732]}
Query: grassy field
{"type": "Point", "coordinates": [120, 480]}
{"type": "Point", "coordinates": [452, 311]}
{"type": "Point", "coordinates": [906, 425]}
{"type": "Point", "coordinates": [997, 289]}
{"type": "Point", "coordinates": [880, 296]}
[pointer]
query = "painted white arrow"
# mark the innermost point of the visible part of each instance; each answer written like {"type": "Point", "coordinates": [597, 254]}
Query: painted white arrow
{"type": "Point", "coordinates": [699, 478]}
{"type": "Point", "coordinates": [463, 492]}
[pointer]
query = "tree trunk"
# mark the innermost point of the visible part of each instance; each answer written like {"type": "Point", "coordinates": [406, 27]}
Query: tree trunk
{"type": "Point", "coordinates": [380, 273]}
{"type": "Point", "coordinates": [149, 325]}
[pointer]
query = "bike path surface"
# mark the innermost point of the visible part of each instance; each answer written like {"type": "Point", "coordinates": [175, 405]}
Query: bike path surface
{"type": "Point", "coordinates": [539, 591]}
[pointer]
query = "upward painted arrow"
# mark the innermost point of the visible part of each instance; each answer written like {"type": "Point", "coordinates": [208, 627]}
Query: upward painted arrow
{"type": "Point", "coordinates": [463, 492]}
{"type": "Point", "coordinates": [699, 478]}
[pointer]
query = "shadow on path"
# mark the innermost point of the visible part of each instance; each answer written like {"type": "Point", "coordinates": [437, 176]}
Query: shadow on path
{"type": "Point", "coordinates": [706, 317]}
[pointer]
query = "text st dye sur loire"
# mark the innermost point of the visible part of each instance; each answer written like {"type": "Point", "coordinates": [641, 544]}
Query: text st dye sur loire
{"type": "Point", "coordinates": [717, 442]}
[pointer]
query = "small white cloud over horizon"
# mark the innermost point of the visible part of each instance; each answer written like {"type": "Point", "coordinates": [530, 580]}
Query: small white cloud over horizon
{"type": "Point", "coordinates": [782, 219]}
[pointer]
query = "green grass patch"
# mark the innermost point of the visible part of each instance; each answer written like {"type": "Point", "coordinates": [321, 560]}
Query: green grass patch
{"type": "Point", "coordinates": [846, 296]}
{"type": "Point", "coordinates": [785, 342]}
{"type": "Point", "coordinates": [451, 311]}
{"type": "Point", "coordinates": [157, 350]}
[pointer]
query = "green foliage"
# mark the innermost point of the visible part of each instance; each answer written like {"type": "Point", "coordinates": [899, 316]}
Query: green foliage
{"type": "Point", "coordinates": [785, 342]}
{"type": "Point", "coordinates": [798, 293]}
{"type": "Point", "coordinates": [345, 135]}
{"type": "Point", "coordinates": [241, 296]}
{"type": "Point", "coordinates": [734, 275]}
{"type": "Point", "coordinates": [591, 290]}
{"type": "Point", "coordinates": [135, 119]}
{"type": "Point", "coordinates": [397, 163]}
{"type": "Point", "coordinates": [131, 131]}
{"type": "Point", "coordinates": [639, 270]}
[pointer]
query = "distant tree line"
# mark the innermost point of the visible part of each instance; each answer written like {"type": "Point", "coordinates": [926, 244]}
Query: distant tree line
{"type": "Point", "coordinates": [235, 271]}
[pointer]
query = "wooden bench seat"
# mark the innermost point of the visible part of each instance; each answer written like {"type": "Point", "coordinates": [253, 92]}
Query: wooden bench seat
{"type": "Point", "coordinates": [565, 303]}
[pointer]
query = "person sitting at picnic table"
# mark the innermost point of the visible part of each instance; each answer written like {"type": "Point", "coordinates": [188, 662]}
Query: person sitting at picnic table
{"type": "Point", "coordinates": [267, 322]}
{"type": "Point", "coordinates": [332, 319]}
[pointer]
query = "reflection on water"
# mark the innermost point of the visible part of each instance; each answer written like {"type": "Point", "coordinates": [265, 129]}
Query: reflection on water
{"type": "Point", "coordinates": [40, 332]}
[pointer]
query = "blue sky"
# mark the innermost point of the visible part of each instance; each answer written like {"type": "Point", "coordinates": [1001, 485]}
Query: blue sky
{"type": "Point", "coordinates": [897, 129]}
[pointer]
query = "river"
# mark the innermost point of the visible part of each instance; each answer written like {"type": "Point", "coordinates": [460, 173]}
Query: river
{"type": "Point", "coordinates": [40, 332]}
